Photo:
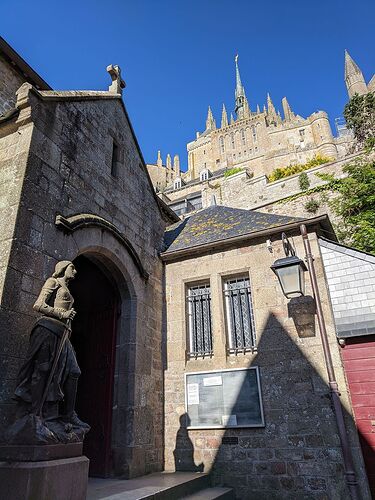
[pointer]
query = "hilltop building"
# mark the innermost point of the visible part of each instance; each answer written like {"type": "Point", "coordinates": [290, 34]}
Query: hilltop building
{"type": "Point", "coordinates": [253, 144]}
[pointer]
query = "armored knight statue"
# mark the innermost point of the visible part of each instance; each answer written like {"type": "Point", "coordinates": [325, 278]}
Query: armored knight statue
{"type": "Point", "coordinates": [47, 381]}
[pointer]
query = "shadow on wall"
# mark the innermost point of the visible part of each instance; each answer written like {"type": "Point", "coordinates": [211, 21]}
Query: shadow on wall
{"type": "Point", "coordinates": [297, 454]}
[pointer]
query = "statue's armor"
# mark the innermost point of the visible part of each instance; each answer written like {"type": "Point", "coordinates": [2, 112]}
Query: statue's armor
{"type": "Point", "coordinates": [54, 299]}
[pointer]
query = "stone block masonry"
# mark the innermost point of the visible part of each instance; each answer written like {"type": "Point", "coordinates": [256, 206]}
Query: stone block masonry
{"type": "Point", "coordinates": [56, 158]}
{"type": "Point", "coordinates": [297, 453]}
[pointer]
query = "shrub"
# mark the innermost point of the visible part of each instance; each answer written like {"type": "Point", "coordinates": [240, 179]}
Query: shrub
{"type": "Point", "coordinates": [312, 206]}
{"type": "Point", "coordinates": [280, 173]}
{"type": "Point", "coordinates": [232, 171]}
{"type": "Point", "coordinates": [303, 181]}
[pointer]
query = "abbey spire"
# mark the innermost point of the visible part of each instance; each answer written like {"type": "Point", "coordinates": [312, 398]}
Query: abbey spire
{"type": "Point", "coordinates": [355, 83]}
{"type": "Point", "coordinates": [210, 121]}
{"type": "Point", "coordinates": [242, 107]}
{"type": "Point", "coordinates": [224, 117]}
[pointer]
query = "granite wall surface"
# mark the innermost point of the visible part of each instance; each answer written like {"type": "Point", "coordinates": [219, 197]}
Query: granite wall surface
{"type": "Point", "coordinates": [56, 159]}
{"type": "Point", "coordinates": [297, 454]}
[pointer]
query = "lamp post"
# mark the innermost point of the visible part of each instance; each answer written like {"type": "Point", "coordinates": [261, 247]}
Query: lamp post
{"type": "Point", "coordinates": [290, 282]}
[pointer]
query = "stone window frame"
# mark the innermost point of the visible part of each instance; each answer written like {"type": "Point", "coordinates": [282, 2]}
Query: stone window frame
{"type": "Point", "coordinates": [116, 158]}
{"type": "Point", "coordinates": [231, 348]}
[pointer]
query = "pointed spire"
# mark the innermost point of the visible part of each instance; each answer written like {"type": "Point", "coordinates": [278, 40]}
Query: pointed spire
{"type": "Point", "coordinates": [176, 165]}
{"type": "Point", "coordinates": [239, 86]}
{"type": "Point", "coordinates": [231, 119]}
{"type": "Point", "coordinates": [168, 162]}
{"type": "Point", "coordinates": [270, 106]}
{"type": "Point", "coordinates": [264, 108]}
{"type": "Point", "coordinates": [354, 80]}
{"type": "Point", "coordinates": [242, 107]}
{"type": "Point", "coordinates": [210, 121]}
{"type": "Point", "coordinates": [288, 113]}
{"type": "Point", "coordinates": [258, 109]}
{"type": "Point", "coordinates": [224, 117]}
{"type": "Point", "coordinates": [159, 161]}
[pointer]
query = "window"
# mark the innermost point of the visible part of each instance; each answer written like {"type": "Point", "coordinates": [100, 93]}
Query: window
{"type": "Point", "coordinates": [204, 175]}
{"type": "Point", "coordinates": [302, 134]}
{"type": "Point", "coordinates": [254, 132]}
{"type": "Point", "coordinates": [239, 315]}
{"type": "Point", "coordinates": [199, 311]}
{"type": "Point", "coordinates": [177, 183]}
{"type": "Point", "coordinates": [115, 160]}
{"type": "Point", "coordinates": [232, 139]}
{"type": "Point", "coordinates": [243, 138]}
{"type": "Point", "coordinates": [222, 146]}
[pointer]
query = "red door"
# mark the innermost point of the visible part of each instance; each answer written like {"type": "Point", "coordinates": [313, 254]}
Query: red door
{"type": "Point", "coordinates": [359, 362]}
{"type": "Point", "coordinates": [94, 338]}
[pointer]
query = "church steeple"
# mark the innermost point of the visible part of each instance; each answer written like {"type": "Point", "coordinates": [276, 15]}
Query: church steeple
{"type": "Point", "coordinates": [355, 83]}
{"type": "Point", "coordinates": [224, 117]}
{"type": "Point", "coordinates": [242, 107]}
{"type": "Point", "coordinates": [210, 121]}
{"type": "Point", "coordinates": [271, 111]}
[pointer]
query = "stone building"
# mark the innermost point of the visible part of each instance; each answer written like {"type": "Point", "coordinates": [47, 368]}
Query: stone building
{"type": "Point", "coordinates": [74, 185]}
{"type": "Point", "coordinates": [253, 145]}
{"type": "Point", "coordinates": [275, 435]}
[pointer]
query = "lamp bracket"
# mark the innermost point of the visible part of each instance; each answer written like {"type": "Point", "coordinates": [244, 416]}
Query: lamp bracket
{"type": "Point", "coordinates": [288, 247]}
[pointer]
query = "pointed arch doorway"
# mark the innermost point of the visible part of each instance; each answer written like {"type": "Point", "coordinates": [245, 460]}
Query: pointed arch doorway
{"type": "Point", "coordinates": [97, 302]}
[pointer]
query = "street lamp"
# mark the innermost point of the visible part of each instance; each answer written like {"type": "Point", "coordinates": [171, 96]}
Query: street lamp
{"type": "Point", "coordinates": [289, 271]}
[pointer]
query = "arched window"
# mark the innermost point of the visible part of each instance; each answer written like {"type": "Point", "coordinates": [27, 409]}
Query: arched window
{"type": "Point", "coordinates": [222, 145]}
{"type": "Point", "coordinates": [243, 137]}
{"type": "Point", "coordinates": [254, 132]}
{"type": "Point", "coordinates": [177, 183]}
{"type": "Point", "coordinates": [232, 140]}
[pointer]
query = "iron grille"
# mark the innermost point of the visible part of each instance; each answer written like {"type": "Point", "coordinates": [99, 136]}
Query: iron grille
{"type": "Point", "coordinates": [200, 332]}
{"type": "Point", "coordinates": [240, 317]}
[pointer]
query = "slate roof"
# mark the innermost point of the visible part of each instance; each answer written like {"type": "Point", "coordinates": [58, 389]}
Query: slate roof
{"type": "Point", "coordinates": [218, 223]}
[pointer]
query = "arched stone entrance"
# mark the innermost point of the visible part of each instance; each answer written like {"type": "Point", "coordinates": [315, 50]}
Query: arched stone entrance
{"type": "Point", "coordinates": [98, 305]}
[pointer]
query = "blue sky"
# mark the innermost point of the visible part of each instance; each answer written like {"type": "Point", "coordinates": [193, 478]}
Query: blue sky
{"type": "Point", "coordinates": [177, 57]}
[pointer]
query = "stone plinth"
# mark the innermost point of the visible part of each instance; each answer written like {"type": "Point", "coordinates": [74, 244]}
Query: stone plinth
{"type": "Point", "coordinates": [64, 479]}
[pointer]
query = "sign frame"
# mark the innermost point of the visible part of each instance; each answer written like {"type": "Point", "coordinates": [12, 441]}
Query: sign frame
{"type": "Point", "coordinates": [217, 373]}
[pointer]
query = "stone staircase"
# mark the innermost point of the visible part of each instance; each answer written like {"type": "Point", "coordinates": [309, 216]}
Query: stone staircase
{"type": "Point", "coordinates": [158, 486]}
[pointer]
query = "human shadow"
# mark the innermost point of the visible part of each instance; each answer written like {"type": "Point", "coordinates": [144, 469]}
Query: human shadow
{"type": "Point", "coordinates": [184, 450]}
{"type": "Point", "coordinates": [297, 453]}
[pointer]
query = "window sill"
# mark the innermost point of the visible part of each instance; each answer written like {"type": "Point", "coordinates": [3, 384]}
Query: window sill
{"type": "Point", "coordinates": [245, 350]}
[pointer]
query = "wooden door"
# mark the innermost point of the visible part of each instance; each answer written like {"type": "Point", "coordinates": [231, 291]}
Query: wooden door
{"type": "Point", "coordinates": [359, 362]}
{"type": "Point", "coordinates": [94, 338]}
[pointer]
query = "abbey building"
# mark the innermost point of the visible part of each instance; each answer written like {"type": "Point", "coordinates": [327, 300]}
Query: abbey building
{"type": "Point", "coordinates": [255, 141]}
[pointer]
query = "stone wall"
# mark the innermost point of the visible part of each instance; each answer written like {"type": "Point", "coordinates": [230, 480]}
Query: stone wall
{"type": "Point", "coordinates": [257, 193]}
{"type": "Point", "coordinates": [297, 454]}
{"type": "Point", "coordinates": [10, 81]}
{"type": "Point", "coordinates": [56, 159]}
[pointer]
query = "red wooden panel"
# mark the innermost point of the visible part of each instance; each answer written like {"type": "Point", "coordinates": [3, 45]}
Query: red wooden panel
{"type": "Point", "coordinates": [362, 388]}
{"type": "Point", "coordinates": [359, 364]}
{"type": "Point", "coordinates": [366, 426]}
{"type": "Point", "coordinates": [360, 376]}
{"type": "Point", "coordinates": [366, 351]}
{"type": "Point", "coordinates": [363, 399]}
{"type": "Point", "coordinates": [365, 412]}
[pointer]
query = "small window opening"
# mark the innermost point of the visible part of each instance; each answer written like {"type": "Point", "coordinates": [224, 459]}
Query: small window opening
{"type": "Point", "coordinates": [115, 160]}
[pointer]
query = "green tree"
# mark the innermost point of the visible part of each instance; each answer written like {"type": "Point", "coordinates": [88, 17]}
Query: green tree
{"type": "Point", "coordinates": [359, 114]}
{"type": "Point", "coordinates": [355, 204]}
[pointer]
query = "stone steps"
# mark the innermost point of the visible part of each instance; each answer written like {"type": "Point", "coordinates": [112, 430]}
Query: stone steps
{"type": "Point", "coordinates": [214, 493]}
{"type": "Point", "coordinates": [157, 486]}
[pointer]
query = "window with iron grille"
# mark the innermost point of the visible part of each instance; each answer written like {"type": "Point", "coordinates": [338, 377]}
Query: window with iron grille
{"type": "Point", "coordinates": [239, 315]}
{"type": "Point", "coordinates": [199, 311]}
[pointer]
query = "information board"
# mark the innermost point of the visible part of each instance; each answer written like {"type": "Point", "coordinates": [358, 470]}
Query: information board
{"type": "Point", "coordinates": [224, 399]}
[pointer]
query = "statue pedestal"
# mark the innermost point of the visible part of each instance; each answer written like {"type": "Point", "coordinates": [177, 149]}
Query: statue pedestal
{"type": "Point", "coordinates": [30, 473]}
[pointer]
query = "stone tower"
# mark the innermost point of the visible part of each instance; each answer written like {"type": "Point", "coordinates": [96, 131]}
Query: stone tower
{"type": "Point", "coordinates": [241, 105]}
{"type": "Point", "coordinates": [354, 80]}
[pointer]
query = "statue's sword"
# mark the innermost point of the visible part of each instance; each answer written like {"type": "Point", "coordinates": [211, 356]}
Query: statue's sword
{"type": "Point", "coordinates": [60, 347]}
